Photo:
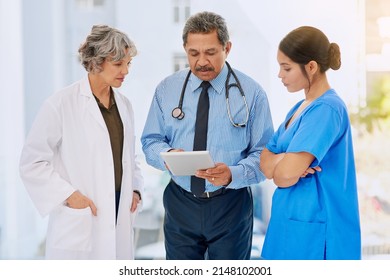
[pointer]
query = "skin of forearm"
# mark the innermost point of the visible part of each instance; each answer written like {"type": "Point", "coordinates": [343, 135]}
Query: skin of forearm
{"type": "Point", "coordinates": [289, 169]}
{"type": "Point", "coordinates": [281, 180]}
{"type": "Point", "coordinates": [268, 162]}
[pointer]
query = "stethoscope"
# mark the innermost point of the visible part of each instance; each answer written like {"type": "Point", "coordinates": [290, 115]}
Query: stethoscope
{"type": "Point", "coordinates": [178, 113]}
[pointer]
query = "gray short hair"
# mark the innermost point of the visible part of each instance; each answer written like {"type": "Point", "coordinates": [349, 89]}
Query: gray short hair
{"type": "Point", "coordinates": [206, 22]}
{"type": "Point", "coordinates": [104, 42]}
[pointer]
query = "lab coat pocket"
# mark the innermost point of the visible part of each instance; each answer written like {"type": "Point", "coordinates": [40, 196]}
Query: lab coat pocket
{"type": "Point", "coordinates": [71, 229]}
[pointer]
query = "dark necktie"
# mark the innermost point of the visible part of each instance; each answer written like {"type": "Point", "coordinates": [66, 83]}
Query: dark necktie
{"type": "Point", "coordinates": [200, 138]}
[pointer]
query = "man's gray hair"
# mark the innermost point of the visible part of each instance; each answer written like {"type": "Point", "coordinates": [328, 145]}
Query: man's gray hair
{"type": "Point", "coordinates": [206, 22]}
{"type": "Point", "coordinates": [103, 43]}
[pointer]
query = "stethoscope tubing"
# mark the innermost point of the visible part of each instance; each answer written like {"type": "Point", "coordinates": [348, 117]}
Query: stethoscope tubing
{"type": "Point", "coordinates": [178, 113]}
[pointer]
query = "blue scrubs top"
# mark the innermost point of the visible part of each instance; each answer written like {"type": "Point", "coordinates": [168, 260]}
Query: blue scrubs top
{"type": "Point", "coordinates": [318, 217]}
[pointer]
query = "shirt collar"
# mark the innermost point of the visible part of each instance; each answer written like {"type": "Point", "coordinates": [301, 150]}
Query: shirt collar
{"type": "Point", "coordinates": [217, 83]}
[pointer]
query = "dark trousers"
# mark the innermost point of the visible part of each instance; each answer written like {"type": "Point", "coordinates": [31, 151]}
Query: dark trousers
{"type": "Point", "coordinates": [217, 228]}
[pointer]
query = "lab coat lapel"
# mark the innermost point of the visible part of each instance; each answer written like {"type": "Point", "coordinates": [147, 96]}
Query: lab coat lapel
{"type": "Point", "coordinates": [91, 104]}
{"type": "Point", "coordinates": [122, 110]}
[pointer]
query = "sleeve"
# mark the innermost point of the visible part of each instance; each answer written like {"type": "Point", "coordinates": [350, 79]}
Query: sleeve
{"type": "Point", "coordinates": [247, 171]}
{"type": "Point", "coordinates": [45, 186]}
{"type": "Point", "coordinates": [272, 144]}
{"type": "Point", "coordinates": [152, 139]}
{"type": "Point", "coordinates": [316, 133]}
{"type": "Point", "coordinates": [138, 180]}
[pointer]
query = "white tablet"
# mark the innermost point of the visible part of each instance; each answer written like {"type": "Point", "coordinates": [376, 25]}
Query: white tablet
{"type": "Point", "coordinates": [187, 163]}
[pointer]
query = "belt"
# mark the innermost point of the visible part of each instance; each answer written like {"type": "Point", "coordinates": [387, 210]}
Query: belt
{"type": "Point", "coordinates": [212, 194]}
{"type": "Point", "coordinates": [205, 194]}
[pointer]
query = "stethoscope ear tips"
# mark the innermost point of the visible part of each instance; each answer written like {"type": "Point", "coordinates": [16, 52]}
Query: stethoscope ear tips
{"type": "Point", "coordinates": [178, 113]}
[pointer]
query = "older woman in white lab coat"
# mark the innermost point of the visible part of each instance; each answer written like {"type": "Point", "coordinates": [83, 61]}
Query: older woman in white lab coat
{"type": "Point", "coordinates": [78, 163]}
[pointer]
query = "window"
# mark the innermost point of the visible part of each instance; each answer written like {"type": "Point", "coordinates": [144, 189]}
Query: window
{"type": "Point", "coordinates": [181, 10]}
{"type": "Point", "coordinates": [179, 61]}
{"type": "Point", "coordinates": [89, 4]}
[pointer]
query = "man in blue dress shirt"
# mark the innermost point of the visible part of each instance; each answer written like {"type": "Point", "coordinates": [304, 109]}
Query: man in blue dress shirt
{"type": "Point", "coordinates": [218, 223]}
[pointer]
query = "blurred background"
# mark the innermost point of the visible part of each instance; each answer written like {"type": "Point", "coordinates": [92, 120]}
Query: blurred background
{"type": "Point", "coordinates": [38, 46]}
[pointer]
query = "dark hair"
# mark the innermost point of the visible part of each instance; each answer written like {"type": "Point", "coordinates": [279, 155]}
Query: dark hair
{"type": "Point", "coordinates": [307, 43]}
{"type": "Point", "coordinates": [206, 22]}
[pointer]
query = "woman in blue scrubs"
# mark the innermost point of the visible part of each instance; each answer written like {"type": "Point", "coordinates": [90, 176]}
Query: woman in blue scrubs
{"type": "Point", "coordinates": [310, 158]}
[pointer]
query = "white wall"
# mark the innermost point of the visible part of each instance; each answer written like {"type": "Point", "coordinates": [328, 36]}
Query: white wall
{"type": "Point", "coordinates": [17, 221]}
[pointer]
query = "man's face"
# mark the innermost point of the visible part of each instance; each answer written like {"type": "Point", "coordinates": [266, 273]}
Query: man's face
{"type": "Point", "coordinates": [206, 55]}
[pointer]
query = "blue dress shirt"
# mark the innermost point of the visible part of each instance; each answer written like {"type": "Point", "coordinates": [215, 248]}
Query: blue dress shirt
{"type": "Point", "coordinates": [237, 147]}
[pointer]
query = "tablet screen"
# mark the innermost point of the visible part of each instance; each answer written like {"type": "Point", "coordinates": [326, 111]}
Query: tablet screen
{"type": "Point", "coordinates": [187, 163]}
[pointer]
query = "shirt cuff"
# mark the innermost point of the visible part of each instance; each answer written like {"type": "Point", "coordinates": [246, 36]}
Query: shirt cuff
{"type": "Point", "coordinates": [237, 177]}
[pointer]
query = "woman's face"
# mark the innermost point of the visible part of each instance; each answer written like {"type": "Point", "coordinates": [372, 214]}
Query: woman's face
{"type": "Point", "coordinates": [206, 55]}
{"type": "Point", "coordinates": [114, 72]}
{"type": "Point", "coordinates": [291, 73]}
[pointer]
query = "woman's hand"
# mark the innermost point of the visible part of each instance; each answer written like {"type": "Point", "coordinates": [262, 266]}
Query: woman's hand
{"type": "Point", "coordinates": [79, 201]}
{"type": "Point", "coordinates": [136, 200]}
{"type": "Point", "coordinates": [311, 170]}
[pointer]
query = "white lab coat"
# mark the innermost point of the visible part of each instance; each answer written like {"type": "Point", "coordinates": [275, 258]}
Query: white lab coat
{"type": "Point", "coordinates": [68, 149]}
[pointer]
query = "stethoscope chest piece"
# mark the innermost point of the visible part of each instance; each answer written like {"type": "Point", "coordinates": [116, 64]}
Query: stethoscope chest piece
{"type": "Point", "coordinates": [178, 113]}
